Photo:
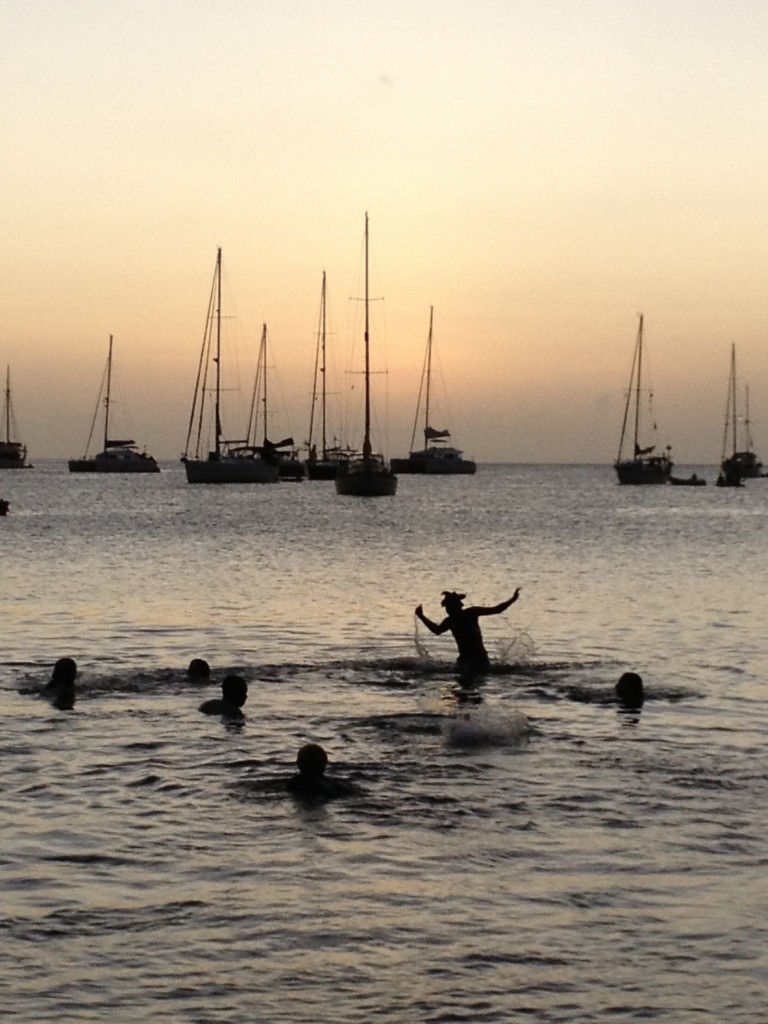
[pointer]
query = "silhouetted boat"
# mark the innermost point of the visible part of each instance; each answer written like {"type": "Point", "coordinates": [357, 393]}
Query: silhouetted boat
{"type": "Point", "coordinates": [229, 461]}
{"type": "Point", "coordinates": [366, 475]}
{"type": "Point", "coordinates": [643, 466]}
{"type": "Point", "coordinates": [688, 481]}
{"type": "Point", "coordinates": [289, 465]}
{"type": "Point", "coordinates": [436, 457]}
{"type": "Point", "coordinates": [323, 465]}
{"type": "Point", "coordinates": [13, 454]}
{"type": "Point", "coordinates": [742, 463]}
{"type": "Point", "coordinates": [117, 456]}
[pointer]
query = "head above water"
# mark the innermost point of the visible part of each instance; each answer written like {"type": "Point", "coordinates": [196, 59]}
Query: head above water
{"type": "Point", "coordinates": [451, 599]}
{"type": "Point", "coordinates": [629, 690]}
{"type": "Point", "coordinates": [311, 759]}
{"type": "Point", "coordinates": [198, 669]}
{"type": "Point", "coordinates": [234, 690]}
{"type": "Point", "coordinates": [64, 671]}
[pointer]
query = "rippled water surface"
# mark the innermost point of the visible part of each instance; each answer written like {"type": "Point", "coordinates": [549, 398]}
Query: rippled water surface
{"type": "Point", "coordinates": [524, 851]}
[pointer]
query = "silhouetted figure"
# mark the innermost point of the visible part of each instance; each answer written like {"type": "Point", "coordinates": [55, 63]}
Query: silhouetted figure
{"type": "Point", "coordinates": [312, 781]}
{"type": "Point", "coordinates": [198, 669]}
{"type": "Point", "coordinates": [4, 506]}
{"type": "Point", "coordinates": [60, 689]}
{"type": "Point", "coordinates": [234, 693]}
{"type": "Point", "coordinates": [629, 690]}
{"type": "Point", "coordinates": [463, 624]}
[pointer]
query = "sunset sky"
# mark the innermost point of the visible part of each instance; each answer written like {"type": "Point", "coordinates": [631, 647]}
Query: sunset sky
{"type": "Point", "coordinates": [538, 171]}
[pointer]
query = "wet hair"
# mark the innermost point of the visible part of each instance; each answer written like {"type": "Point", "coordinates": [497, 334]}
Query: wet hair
{"type": "Point", "coordinates": [311, 759]}
{"type": "Point", "coordinates": [629, 690]}
{"type": "Point", "coordinates": [64, 671]}
{"type": "Point", "coordinates": [198, 669]}
{"type": "Point", "coordinates": [234, 689]}
{"type": "Point", "coordinates": [451, 597]}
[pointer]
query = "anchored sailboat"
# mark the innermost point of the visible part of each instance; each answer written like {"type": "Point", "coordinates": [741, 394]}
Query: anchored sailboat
{"type": "Point", "coordinates": [643, 466]}
{"type": "Point", "coordinates": [323, 465]}
{"type": "Point", "coordinates": [289, 465]}
{"type": "Point", "coordinates": [436, 456]}
{"type": "Point", "coordinates": [228, 461]}
{"type": "Point", "coordinates": [13, 454]}
{"type": "Point", "coordinates": [117, 456]}
{"type": "Point", "coordinates": [742, 463]}
{"type": "Point", "coordinates": [366, 475]}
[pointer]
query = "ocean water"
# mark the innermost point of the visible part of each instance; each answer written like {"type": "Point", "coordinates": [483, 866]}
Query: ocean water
{"type": "Point", "coordinates": [525, 850]}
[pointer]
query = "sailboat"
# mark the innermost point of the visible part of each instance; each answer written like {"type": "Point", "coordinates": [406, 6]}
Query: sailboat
{"type": "Point", "coordinates": [229, 461]}
{"type": "Point", "coordinates": [643, 466]}
{"type": "Point", "coordinates": [436, 456]}
{"type": "Point", "coordinates": [366, 475]}
{"type": "Point", "coordinates": [289, 465]}
{"type": "Point", "coordinates": [13, 454]}
{"type": "Point", "coordinates": [742, 463]}
{"type": "Point", "coordinates": [754, 467]}
{"type": "Point", "coordinates": [117, 456]}
{"type": "Point", "coordinates": [322, 465]}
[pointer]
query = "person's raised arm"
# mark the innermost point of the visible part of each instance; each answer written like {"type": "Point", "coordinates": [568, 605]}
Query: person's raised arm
{"type": "Point", "coordinates": [432, 626]}
{"type": "Point", "coordinates": [498, 608]}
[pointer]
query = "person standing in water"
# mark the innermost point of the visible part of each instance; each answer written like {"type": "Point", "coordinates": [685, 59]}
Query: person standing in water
{"type": "Point", "coordinates": [463, 624]}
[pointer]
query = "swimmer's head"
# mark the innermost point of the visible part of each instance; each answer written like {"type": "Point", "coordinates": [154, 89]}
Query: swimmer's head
{"type": "Point", "coordinates": [234, 690]}
{"type": "Point", "coordinates": [198, 669]}
{"type": "Point", "coordinates": [629, 690]}
{"type": "Point", "coordinates": [311, 759]}
{"type": "Point", "coordinates": [452, 600]}
{"type": "Point", "coordinates": [64, 671]}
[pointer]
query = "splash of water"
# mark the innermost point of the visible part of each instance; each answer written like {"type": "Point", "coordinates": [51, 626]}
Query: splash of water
{"type": "Point", "coordinates": [485, 727]}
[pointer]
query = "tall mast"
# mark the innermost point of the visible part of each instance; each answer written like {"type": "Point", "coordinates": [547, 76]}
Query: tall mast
{"type": "Point", "coordinates": [637, 382]}
{"type": "Point", "coordinates": [217, 359]}
{"type": "Point", "coordinates": [429, 374]}
{"type": "Point", "coordinates": [367, 438]}
{"type": "Point", "coordinates": [106, 397]}
{"type": "Point", "coordinates": [7, 404]}
{"type": "Point", "coordinates": [730, 407]}
{"type": "Point", "coordinates": [322, 368]}
{"type": "Point", "coordinates": [263, 358]}
{"type": "Point", "coordinates": [733, 399]}
{"type": "Point", "coordinates": [748, 439]}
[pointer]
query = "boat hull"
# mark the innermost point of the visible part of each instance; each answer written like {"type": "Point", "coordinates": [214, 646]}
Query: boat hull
{"type": "Point", "coordinates": [230, 471]}
{"type": "Point", "coordinates": [688, 481]}
{"type": "Point", "coordinates": [442, 464]}
{"type": "Point", "coordinates": [114, 462]}
{"type": "Point", "coordinates": [725, 480]}
{"type": "Point", "coordinates": [745, 465]}
{"type": "Point", "coordinates": [644, 471]}
{"type": "Point", "coordinates": [13, 455]}
{"type": "Point", "coordinates": [292, 470]}
{"type": "Point", "coordinates": [366, 478]}
{"type": "Point", "coordinates": [322, 469]}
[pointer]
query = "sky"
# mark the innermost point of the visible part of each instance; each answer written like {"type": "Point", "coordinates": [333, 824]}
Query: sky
{"type": "Point", "coordinates": [538, 171]}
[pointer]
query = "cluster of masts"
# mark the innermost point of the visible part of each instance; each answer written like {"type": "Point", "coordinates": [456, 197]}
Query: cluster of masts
{"type": "Point", "coordinates": [358, 471]}
{"type": "Point", "coordinates": [645, 465]}
{"type": "Point", "coordinates": [212, 456]}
